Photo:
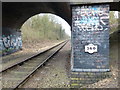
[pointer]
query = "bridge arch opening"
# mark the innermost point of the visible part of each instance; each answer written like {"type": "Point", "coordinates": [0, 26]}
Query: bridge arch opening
{"type": "Point", "coordinates": [44, 28]}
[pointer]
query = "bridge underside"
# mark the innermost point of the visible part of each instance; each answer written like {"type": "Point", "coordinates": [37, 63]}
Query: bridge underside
{"type": "Point", "coordinates": [14, 14]}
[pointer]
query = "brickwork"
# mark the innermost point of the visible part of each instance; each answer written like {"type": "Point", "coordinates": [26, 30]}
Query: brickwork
{"type": "Point", "coordinates": [90, 38]}
{"type": "Point", "coordinates": [80, 79]}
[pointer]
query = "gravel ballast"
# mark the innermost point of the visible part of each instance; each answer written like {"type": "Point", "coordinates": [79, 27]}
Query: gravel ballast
{"type": "Point", "coordinates": [54, 74]}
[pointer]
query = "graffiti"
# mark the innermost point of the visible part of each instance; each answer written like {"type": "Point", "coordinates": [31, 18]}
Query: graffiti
{"type": "Point", "coordinates": [90, 37]}
{"type": "Point", "coordinates": [1, 44]}
{"type": "Point", "coordinates": [10, 43]}
{"type": "Point", "coordinates": [91, 18]}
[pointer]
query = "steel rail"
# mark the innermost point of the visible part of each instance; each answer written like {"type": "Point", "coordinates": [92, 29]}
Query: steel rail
{"type": "Point", "coordinates": [27, 59]}
{"type": "Point", "coordinates": [41, 64]}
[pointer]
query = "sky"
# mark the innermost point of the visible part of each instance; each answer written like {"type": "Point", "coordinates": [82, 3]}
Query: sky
{"type": "Point", "coordinates": [65, 25]}
{"type": "Point", "coordinates": [116, 14]}
{"type": "Point", "coordinates": [61, 21]}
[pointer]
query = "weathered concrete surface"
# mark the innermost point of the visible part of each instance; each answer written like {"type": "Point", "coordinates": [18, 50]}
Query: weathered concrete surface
{"type": "Point", "coordinates": [16, 13]}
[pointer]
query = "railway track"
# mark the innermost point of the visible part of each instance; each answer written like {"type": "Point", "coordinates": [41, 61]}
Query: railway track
{"type": "Point", "coordinates": [16, 75]}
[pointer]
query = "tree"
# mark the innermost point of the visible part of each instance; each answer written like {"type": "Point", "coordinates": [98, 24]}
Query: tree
{"type": "Point", "coordinates": [113, 22]}
{"type": "Point", "coordinates": [42, 27]}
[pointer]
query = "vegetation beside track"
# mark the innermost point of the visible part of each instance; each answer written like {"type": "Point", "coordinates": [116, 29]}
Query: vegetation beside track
{"type": "Point", "coordinates": [113, 22]}
{"type": "Point", "coordinates": [42, 28]}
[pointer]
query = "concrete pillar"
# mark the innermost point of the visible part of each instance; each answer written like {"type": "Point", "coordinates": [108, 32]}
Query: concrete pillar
{"type": "Point", "coordinates": [0, 28]}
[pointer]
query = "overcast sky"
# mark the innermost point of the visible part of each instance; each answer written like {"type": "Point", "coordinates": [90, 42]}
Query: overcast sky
{"type": "Point", "coordinates": [65, 25]}
{"type": "Point", "coordinates": [61, 21]}
{"type": "Point", "coordinates": [116, 14]}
